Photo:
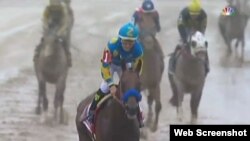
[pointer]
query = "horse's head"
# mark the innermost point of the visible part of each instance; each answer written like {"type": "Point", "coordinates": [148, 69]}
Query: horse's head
{"type": "Point", "coordinates": [129, 89]}
{"type": "Point", "coordinates": [148, 41]}
{"type": "Point", "coordinates": [198, 45]}
{"type": "Point", "coordinates": [51, 42]}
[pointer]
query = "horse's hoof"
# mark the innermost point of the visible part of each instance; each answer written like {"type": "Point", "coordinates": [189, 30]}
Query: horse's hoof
{"type": "Point", "coordinates": [148, 122]}
{"type": "Point", "coordinates": [49, 121]}
{"type": "Point", "coordinates": [179, 119]}
{"type": "Point", "coordinates": [44, 117]}
{"type": "Point", "coordinates": [179, 113]}
{"type": "Point", "coordinates": [65, 119]}
{"type": "Point", "coordinates": [153, 128]}
{"type": "Point", "coordinates": [193, 119]}
{"type": "Point", "coordinates": [38, 110]}
{"type": "Point", "coordinates": [173, 101]}
{"type": "Point", "coordinates": [143, 133]}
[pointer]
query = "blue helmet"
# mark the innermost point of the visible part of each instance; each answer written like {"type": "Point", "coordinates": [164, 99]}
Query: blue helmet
{"type": "Point", "coordinates": [148, 6]}
{"type": "Point", "coordinates": [129, 31]}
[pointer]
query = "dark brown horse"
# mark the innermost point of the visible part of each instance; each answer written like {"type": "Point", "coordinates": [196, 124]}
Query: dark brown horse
{"type": "Point", "coordinates": [116, 120]}
{"type": "Point", "coordinates": [190, 74]}
{"type": "Point", "coordinates": [51, 67]}
{"type": "Point", "coordinates": [233, 27]}
{"type": "Point", "coordinates": [153, 67]}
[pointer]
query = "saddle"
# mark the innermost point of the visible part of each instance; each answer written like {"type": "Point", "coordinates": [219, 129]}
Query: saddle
{"type": "Point", "coordinates": [84, 116]}
{"type": "Point", "coordinates": [180, 48]}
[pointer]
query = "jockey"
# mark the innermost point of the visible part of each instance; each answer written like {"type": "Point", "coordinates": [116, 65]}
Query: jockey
{"type": "Point", "coordinates": [56, 16]}
{"type": "Point", "coordinates": [126, 48]}
{"type": "Point", "coordinates": [147, 18]}
{"type": "Point", "coordinates": [191, 18]}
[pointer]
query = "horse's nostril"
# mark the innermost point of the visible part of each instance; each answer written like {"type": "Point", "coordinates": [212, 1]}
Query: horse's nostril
{"type": "Point", "coordinates": [193, 44]}
{"type": "Point", "coordinates": [201, 55]}
{"type": "Point", "coordinates": [131, 110]}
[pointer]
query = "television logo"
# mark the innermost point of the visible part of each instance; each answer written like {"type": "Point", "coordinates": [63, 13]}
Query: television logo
{"type": "Point", "coordinates": [228, 11]}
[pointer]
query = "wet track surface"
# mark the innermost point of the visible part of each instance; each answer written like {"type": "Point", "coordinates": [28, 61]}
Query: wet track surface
{"type": "Point", "coordinates": [226, 96]}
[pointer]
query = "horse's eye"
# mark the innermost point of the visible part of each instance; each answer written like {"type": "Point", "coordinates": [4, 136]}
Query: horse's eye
{"type": "Point", "coordinates": [193, 44]}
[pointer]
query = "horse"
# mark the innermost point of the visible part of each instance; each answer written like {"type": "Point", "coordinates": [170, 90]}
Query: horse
{"type": "Point", "coordinates": [153, 67]}
{"type": "Point", "coordinates": [51, 67]}
{"type": "Point", "coordinates": [116, 118]}
{"type": "Point", "coordinates": [190, 74]}
{"type": "Point", "coordinates": [233, 27]}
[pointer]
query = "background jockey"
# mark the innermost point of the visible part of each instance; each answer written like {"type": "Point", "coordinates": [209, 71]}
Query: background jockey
{"type": "Point", "coordinates": [56, 16]}
{"type": "Point", "coordinates": [191, 18]}
{"type": "Point", "coordinates": [147, 18]}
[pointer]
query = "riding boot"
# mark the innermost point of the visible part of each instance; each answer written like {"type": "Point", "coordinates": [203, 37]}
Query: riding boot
{"type": "Point", "coordinates": [172, 61]}
{"type": "Point", "coordinates": [69, 60]}
{"type": "Point", "coordinates": [173, 99]}
{"type": "Point", "coordinates": [66, 45]}
{"type": "Point", "coordinates": [37, 50]}
{"type": "Point", "coordinates": [171, 64]}
{"type": "Point", "coordinates": [140, 117]}
{"type": "Point", "coordinates": [207, 66]}
{"type": "Point", "coordinates": [98, 96]}
{"type": "Point", "coordinates": [68, 55]}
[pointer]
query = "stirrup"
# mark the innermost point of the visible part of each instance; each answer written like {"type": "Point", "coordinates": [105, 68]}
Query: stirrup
{"type": "Point", "coordinates": [91, 115]}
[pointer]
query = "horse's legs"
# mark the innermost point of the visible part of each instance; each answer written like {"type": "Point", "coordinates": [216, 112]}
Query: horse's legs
{"type": "Point", "coordinates": [242, 40]}
{"type": "Point", "coordinates": [223, 30]}
{"type": "Point", "coordinates": [157, 97]}
{"type": "Point", "coordinates": [59, 98]}
{"type": "Point", "coordinates": [42, 97]}
{"type": "Point", "coordinates": [150, 111]}
{"type": "Point", "coordinates": [237, 43]}
{"type": "Point", "coordinates": [242, 47]}
{"type": "Point", "coordinates": [180, 95]}
{"type": "Point", "coordinates": [173, 99]}
{"type": "Point", "coordinates": [194, 103]}
{"type": "Point", "coordinates": [228, 43]}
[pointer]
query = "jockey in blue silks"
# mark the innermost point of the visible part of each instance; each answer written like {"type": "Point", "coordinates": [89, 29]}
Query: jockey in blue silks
{"type": "Point", "coordinates": [126, 48]}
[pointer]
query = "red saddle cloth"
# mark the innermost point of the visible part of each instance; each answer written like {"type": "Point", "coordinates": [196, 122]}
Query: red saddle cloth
{"type": "Point", "coordinates": [91, 126]}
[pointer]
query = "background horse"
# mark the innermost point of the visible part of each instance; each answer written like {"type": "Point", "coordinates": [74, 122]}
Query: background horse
{"type": "Point", "coordinates": [51, 66]}
{"type": "Point", "coordinates": [153, 67]}
{"type": "Point", "coordinates": [116, 120]}
{"type": "Point", "coordinates": [189, 76]}
{"type": "Point", "coordinates": [233, 26]}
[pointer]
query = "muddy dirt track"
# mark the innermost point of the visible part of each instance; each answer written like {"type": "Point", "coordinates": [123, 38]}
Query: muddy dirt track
{"type": "Point", "coordinates": [226, 96]}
